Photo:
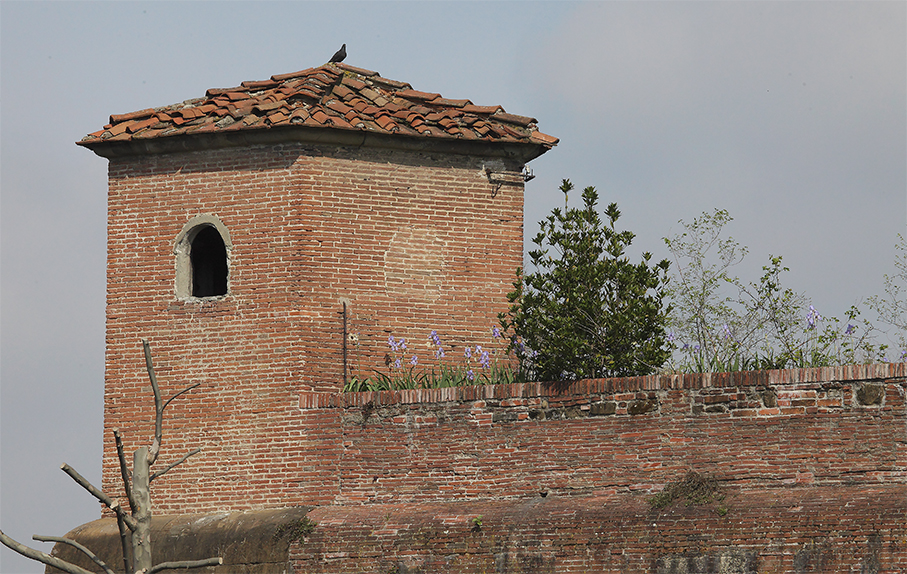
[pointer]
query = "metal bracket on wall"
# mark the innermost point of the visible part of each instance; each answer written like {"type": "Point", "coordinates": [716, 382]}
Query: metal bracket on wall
{"type": "Point", "coordinates": [497, 179]}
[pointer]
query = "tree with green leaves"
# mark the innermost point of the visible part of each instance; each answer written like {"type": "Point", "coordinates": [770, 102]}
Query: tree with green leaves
{"type": "Point", "coordinates": [587, 311]}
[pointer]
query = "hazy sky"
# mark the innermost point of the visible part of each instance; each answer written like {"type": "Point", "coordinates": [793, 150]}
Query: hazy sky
{"type": "Point", "coordinates": [790, 115]}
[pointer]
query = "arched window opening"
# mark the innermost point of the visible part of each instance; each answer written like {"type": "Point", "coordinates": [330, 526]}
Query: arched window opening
{"type": "Point", "coordinates": [203, 249]}
{"type": "Point", "coordinates": [208, 257]}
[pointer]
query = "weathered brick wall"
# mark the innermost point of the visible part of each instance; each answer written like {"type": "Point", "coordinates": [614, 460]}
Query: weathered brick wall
{"type": "Point", "coordinates": [410, 241]}
{"type": "Point", "coordinates": [619, 435]}
{"type": "Point", "coordinates": [827, 529]}
{"type": "Point", "coordinates": [811, 466]}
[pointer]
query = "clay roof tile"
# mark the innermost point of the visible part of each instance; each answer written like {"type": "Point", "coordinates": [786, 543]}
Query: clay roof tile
{"type": "Point", "coordinates": [119, 128]}
{"type": "Point", "coordinates": [140, 125]}
{"type": "Point", "coordinates": [338, 106]}
{"type": "Point", "coordinates": [260, 84]}
{"type": "Point", "coordinates": [278, 118]}
{"type": "Point", "coordinates": [358, 71]}
{"type": "Point", "coordinates": [473, 109]}
{"type": "Point", "coordinates": [450, 103]}
{"type": "Point", "coordinates": [388, 83]}
{"type": "Point", "coordinates": [117, 118]}
{"type": "Point", "coordinates": [386, 122]}
{"type": "Point", "coordinates": [411, 94]}
{"type": "Point", "coordinates": [353, 83]}
{"type": "Point", "coordinates": [301, 73]}
{"type": "Point", "coordinates": [332, 96]}
{"type": "Point", "coordinates": [342, 92]}
{"type": "Point", "coordinates": [501, 116]}
{"type": "Point", "coordinates": [543, 138]}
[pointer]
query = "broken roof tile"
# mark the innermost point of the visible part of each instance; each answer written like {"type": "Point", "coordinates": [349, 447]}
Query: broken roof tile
{"type": "Point", "coordinates": [412, 94]}
{"type": "Point", "coordinates": [117, 118]}
{"type": "Point", "coordinates": [260, 84]}
{"type": "Point", "coordinates": [357, 71]}
{"type": "Point", "coordinates": [342, 92]}
{"type": "Point", "coordinates": [282, 77]}
{"type": "Point", "coordinates": [278, 118]}
{"type": "Point", "coordinates": [140, 125]}
{"type": "Point", "coordinates": [449, 103]}
{"type": "Point", "coordinates": [388, 83]}
{"type": "Point", "coordinates": [333, 96]}
{"type": "Point", "coordinates": [474, 109]}
{"type": "Point", "coordinates": [338, 107]}
{"type": "Point", "coordinates": [120, 128]}
{"type": "Point", "coordinates": [353, 83]}
{"type": "Point", "coordinates": [543, 138]}
{"type": "Point", "coordinates": [502, 116]}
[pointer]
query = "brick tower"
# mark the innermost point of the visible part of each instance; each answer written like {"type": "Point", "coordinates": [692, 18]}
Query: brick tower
{"type": "Point", "coordinates": [268, 239]}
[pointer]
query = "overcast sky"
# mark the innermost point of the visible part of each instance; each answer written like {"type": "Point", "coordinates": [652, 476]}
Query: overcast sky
{"type": "Point", "coordinates": [789, 115]}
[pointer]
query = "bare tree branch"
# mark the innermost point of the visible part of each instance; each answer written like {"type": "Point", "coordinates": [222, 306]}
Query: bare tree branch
{"type": "Point", "coordinates": [186, 390]}
{"type": "Point", "coordinates": [77, 546]}
{"type": "Point", "coordinates": [158, 408]}
{"type": "Point", "coordinates": [125, 543]}
{"type": "Point", "coordinates": [109, 502]}
{"type": "Point", "coordinates": [41, 556]}
{"type": "Point", "coordinates": [186, 564]}
{"type": "Point", "coordinates": [124, 469]}
{"type": "Point", "coordinates": [180, 461]}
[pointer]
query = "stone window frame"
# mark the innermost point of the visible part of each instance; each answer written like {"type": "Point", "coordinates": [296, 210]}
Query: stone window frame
{"type": "Point", "coordinates": [182, 248]}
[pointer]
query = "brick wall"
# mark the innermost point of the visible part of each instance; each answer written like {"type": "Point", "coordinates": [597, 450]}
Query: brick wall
{"type": "Point", "coordinates": [410, 241]}
{"type": "Point", "coordinates": [618, 435]}
{"type": "Point", "coordinates": [811, 467]}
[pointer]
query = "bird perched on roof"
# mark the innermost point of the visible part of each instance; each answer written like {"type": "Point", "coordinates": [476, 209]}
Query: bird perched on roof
{"type": "Point", "coordinates": [339, 56]}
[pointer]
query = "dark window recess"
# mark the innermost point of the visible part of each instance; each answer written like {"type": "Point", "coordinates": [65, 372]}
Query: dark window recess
{"type": "Point", "coordinates": [209, 264]}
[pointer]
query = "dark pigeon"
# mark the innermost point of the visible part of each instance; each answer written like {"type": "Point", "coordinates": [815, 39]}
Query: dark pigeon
{"type": "Point", "coordinates": [340, 55]}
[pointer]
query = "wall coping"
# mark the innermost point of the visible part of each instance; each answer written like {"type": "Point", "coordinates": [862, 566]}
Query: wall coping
{"type": "Point", "coordinates": [665, 382]}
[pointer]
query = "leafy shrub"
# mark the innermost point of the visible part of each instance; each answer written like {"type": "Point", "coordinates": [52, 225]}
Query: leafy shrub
{"type": "Point", "coordinates": [587, 311]}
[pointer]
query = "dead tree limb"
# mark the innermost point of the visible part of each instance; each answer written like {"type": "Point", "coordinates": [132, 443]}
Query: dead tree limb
{"type": "Point", "coordinates": [42, 557]}
{"type": "Point", "coordinates": [141, 536]}
{"type": "Point", "coordinates": [158, 407]}
{"type": "Point", "coordinates": [111, 503]}
{"type": "Point", "coordinates": [186, 564]}
{"type": "Point", "coordinates": [124, 469]}
{"type": "Point", "coordinates": [125, 534]}
{"type": "Point", "coordinates": [77, 546]}
{"type": "Point", "coordinates": [125, 544]}
{"type": "Point", "coordinates": [180, 461]}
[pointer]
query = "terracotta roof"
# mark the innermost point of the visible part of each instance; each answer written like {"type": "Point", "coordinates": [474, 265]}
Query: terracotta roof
{"type": "Point", "coordinates": [332, 96]}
